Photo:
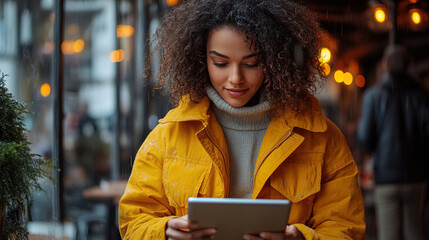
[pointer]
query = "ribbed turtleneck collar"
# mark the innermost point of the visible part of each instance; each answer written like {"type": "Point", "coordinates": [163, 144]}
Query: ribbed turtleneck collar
{"type": "Point", "coordinates": [244, 118]}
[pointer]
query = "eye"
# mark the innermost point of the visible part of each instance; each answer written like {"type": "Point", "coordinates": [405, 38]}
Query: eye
{"type": "Point", "coordinates": [251, 65]}
{"type": "Point", "coordinates": [219, 64]}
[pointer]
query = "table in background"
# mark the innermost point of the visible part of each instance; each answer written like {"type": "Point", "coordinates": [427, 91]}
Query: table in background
{"type": "Point", "coordinates": [109, 192]}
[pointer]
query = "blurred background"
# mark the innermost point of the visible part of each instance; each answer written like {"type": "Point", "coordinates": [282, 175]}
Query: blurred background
{"type": "Point", "coordinates": [79, 64]}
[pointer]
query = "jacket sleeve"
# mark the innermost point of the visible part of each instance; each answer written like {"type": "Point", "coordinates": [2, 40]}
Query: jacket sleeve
{"type": "Point", "coordinates": [366, 133]}
{"type": "Point", "coordinates": [144, 209]}
{"type": "Point", "coordinates": [338, 210]}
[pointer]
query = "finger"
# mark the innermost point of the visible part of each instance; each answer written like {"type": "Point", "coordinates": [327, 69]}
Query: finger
{"type": "Point", "coordinates": [251, 237]}
{"type": "Point", "coordinates": [174, 234]}
{"type": "Point", "coordinates": [272, 236]}
{"type": "Point", "coordinates": [292, 232]}
{"type": "Point", "coordinates": [178, 223]}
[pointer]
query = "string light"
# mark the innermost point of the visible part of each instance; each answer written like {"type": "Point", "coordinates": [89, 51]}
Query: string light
{"type": "Point", "coordinates": [325, 55]}
{"type": "Point", "coordinates": [360, 81]}
{"type": "Point", "coordinates": [415, 17]}
{"type": "Point", "coordinates": [347, 78]}
{"type": "Point", "coordinates": [339, 76]}
{"type": "Point", "coordinates": [379, 15]}
{"type": "Point", "coordinates": [326, 69]}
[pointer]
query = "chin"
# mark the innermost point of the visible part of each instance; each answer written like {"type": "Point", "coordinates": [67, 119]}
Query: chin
{"type": "Point", "coordinates": [237, 104]}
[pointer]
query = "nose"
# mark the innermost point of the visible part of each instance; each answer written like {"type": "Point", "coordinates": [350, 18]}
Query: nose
{"type": "Point", "coordinates": [235, 76]}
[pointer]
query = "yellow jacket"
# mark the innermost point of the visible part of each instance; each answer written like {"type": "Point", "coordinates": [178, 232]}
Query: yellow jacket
{"type": "Point", "coordinates": [303, 158]}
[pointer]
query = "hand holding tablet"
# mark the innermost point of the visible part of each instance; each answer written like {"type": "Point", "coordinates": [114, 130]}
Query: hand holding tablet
{"type": "Point", "coordinates": [233, 218]}
{"type": "Point", "coordinates": [179, 228]}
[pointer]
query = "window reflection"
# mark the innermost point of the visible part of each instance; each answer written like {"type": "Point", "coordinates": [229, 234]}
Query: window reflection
{"type": "Point", "coordinates": [103, 100]}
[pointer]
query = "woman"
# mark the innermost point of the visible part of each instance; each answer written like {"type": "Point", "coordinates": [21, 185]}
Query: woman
{"type": "Point", "coordinates": [246, 125]}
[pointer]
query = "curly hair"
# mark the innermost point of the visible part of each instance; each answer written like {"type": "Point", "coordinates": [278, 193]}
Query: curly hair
{"type": "Point", "coordinates": [283, 33]}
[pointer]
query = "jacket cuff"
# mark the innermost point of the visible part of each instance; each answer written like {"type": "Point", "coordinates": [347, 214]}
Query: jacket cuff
{"type": "Point", "coordinates": [305, 230]}
{"type": "Point", "coordinates": [158, 231]}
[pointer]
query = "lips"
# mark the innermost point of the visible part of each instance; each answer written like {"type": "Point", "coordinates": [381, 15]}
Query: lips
{"type": "Point", "coordinates": [236, 92]}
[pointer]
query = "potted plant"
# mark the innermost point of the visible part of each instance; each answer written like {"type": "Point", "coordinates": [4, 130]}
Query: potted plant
{"type": "Point", "coordinates": [20, 169]}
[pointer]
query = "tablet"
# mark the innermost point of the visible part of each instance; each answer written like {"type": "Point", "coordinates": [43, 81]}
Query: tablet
{"type": "Point", "coordinates": [233, 217]}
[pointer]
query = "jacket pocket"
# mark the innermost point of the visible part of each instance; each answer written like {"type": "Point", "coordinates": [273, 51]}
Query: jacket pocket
{"type": "Point", "coordinates": [299, 176]}
{"type": "Point", "coordinates": [183, 178]}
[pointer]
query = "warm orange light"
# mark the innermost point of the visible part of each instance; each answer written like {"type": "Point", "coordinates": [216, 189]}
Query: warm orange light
{"type": "Point", "coordinates": [67, 47]}
{"type": "Point", "coordinates": [124, 31]}
{"type": "Point", "coordinates": [172, 2]}
{"type": "Point", "coordinates": [78, 46]}
{"type": "Point", "coordinates": [415, 17]}
{"type": "Point", "coordinates": [360, 81]}
{"type": "Point", "coordinates": [339, 76]}
{"type": "Point", "coordinates": [348, 78]}
{"type": "Point", "coordinates": [325, 55]}
{"type": "Point", "coordinates": [326, 69]}
{"type": "Point", "coordinates": [379, 15]}
{"type": "Point", "coordinates": [117, 55]}
{"type": "Point", "coordinates": [45, 90]}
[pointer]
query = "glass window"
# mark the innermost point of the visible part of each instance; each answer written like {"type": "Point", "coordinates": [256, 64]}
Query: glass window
{"type": "Point", "coordinates": [104, 100]}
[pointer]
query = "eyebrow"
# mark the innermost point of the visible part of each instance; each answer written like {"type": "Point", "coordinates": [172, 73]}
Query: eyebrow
{"type": "Point", "coordinates": [224, 56]}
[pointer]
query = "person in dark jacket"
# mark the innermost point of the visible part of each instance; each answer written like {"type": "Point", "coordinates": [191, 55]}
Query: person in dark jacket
{"type": "Point", "coordinates": [394, 127]}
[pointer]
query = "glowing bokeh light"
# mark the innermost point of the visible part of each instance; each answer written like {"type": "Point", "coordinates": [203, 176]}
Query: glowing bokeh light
{"type": "Point", "coordinates": [360, 81]}
{"type": "Point", "coordinates": [348, 78]}
{"type": "Point", "coordinates": [339, 76]}
{"type": "Point", "coordinates": [380, 15]}
{"type": "Point", "coordinates": [45, 90]}
{"type": "Point", "coordinates": [78, 46]}
{"type": "Point", "coordinates": [326, 69]}
{"type": "Point", "coordinates": [117, 55]}
{"type": "Point", "coordinates": [67, 47]}
{"type": "Point", "coordinates": [172, 2]}
{"type": "Point", "coordinates": [325, 55]}
{"type": "Point", "coordinates": [416, 18]}
{"type": "Point", "coordinates": [124, 31]}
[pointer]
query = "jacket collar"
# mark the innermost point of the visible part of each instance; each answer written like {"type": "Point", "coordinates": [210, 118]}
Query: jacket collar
{"type": "Point", "coordinates": [189, 111]}
{"type": "Point", "coordinates": [311, 118]}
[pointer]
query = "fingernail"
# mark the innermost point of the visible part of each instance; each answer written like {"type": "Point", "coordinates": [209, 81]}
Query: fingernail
{"type": "Point", "coordinates": [246, 237]}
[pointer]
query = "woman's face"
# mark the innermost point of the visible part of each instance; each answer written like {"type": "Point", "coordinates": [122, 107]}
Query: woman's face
{"type": "Point", "coordinates": [233, 66]}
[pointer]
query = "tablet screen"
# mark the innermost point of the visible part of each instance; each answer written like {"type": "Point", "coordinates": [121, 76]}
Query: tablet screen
{"type": "Point", "coordinates": [233, 217]}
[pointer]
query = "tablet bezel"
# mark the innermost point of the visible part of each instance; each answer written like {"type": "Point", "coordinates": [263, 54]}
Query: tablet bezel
{"type": "Point", "coordinates": [233, 217]}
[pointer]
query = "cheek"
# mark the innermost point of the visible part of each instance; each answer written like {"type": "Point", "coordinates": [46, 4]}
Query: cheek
{"type": "Point", "coordinates": [255, 78]}
{"type": "Point", "coordinates": [216, 76]}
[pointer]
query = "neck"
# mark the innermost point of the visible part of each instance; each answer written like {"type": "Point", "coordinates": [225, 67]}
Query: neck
{"type": "Point", "coordinates": [254, 100]}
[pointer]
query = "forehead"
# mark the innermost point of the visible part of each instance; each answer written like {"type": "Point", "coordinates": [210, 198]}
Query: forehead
{"type": "Point", "coordinates": [229, 40]}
